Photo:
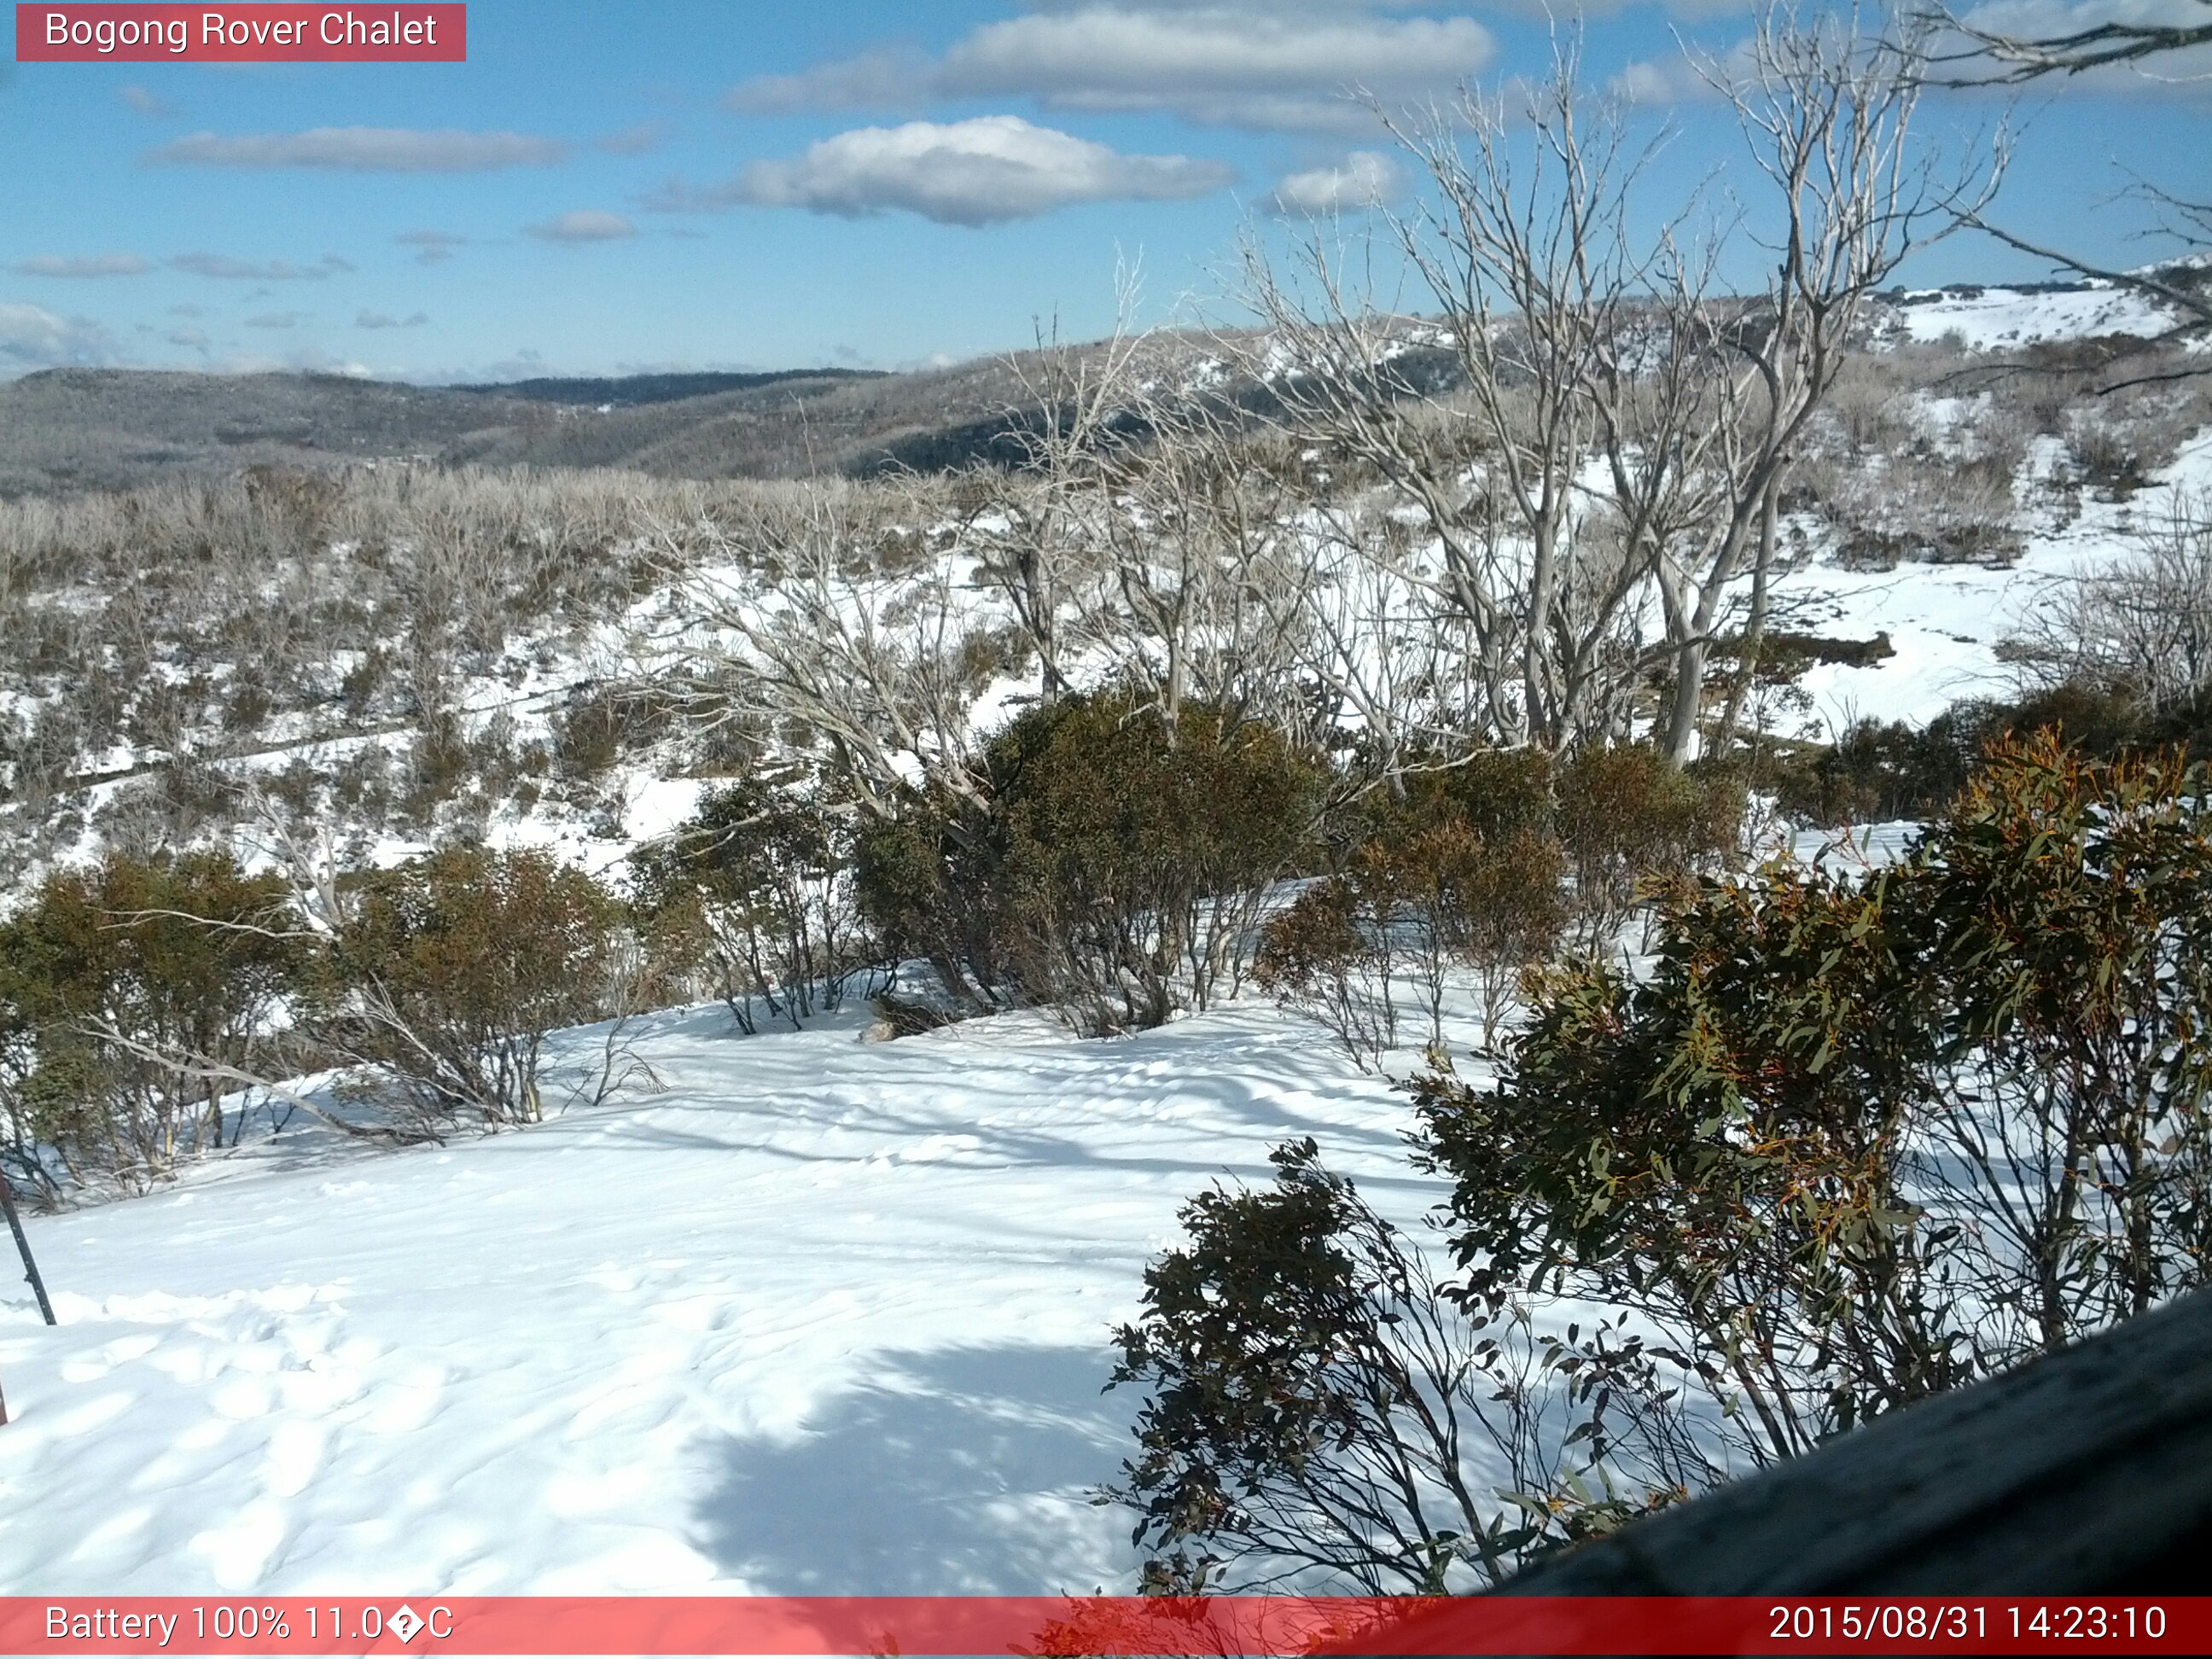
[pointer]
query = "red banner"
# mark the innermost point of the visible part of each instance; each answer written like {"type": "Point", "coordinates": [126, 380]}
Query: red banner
{"type": "Point", "coordinates": [84, 32]}
{"type": "Point", "coordinates": [1217, 1626]}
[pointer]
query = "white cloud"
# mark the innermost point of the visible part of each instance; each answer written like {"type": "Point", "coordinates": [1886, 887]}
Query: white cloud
{"type": "Point", "coordinates": [1677, 80]}
{"type": "Point", "coordinates": [146, 102]}
{"type": "Point", "coordinates": [385, 319]}
{"type": "Point", "coordinates": [1363, 179]}
{"type": "Point", "coordinates": [275, 319]}
{"type": "Point", "coordinates": [977, 171]}
{"type": "Point", "coordinates": [585, 225]}
{"type": "Point", "coordinates": [432, 246]}
{"type": "Point", "coordinates": [630, 141]}
{"type": "Point", "coordinates": [82, 264]}
{"type": "Point", "coordinates": [222, 265]}
{"type": "Point", "coordinates": [191, 339]}
{"type": "Point", "coordinates": [1253, 67]}
{"type": "Point", "coordinates": [364, 149]}
{"type": "Point", "coordinates": [31, 336]}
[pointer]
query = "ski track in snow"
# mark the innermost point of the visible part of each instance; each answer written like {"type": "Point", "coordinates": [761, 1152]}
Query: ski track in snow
{"type": "Point", "coordinates": [820, 1318]}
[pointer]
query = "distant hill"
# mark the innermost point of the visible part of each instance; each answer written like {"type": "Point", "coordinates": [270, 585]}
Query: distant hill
{"type": "Point", "coordinates": [91, 429]}
{"type": "Point", "coordinates": [631, 389]}
{"type": "Point", "coordinates": [77, 428]}
{"type": "Point", "coordinates": [69, 430]}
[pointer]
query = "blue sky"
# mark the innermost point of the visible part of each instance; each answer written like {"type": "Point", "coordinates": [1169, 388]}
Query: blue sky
{"type": "Point", "coordinates": [610, 185]}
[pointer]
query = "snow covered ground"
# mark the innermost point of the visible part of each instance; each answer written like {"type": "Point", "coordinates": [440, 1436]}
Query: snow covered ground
{"type": "Point", "coordinates": [1994, 319]}
{"type": "Point", "coordinates": [820, 1316]}
{"type": "Point", "coordinates": [1946, 621]}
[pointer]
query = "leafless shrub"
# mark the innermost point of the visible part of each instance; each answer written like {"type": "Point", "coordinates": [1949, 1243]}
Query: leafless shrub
{"type": "Point", "coordinates": [814, 614]}
{"type": "Point", "coordinates": [2142, 625]}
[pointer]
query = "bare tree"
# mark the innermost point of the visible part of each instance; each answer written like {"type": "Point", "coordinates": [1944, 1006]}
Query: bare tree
{"type": "Point", "coordinates": [2014, 59]}
{"type": "Point", "coordinates": [1024, 526]}
{"type": "Point", "coordinates": [1995, 57]}
{"type": "Point", "coordinates": [830, 615]}
{"type": "Point", "coordinates": [1620, 428]}
{"type": "Point", "coordinates": [1528, 256]}
{"type": "Point", "coordinates": [1142, 532]}
{"type": "Point", "coordinates": [1202, 558]}
{"type": "Point", "coordinates": [1827, 106]}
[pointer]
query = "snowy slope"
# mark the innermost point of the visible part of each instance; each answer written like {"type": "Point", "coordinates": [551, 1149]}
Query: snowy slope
{"type": "Point", "coordinates": [1996, 319]}
{"type": "Point", "coordinates": [1946, 621]}
{"type": "Point", "coordinates": [820, 1316]}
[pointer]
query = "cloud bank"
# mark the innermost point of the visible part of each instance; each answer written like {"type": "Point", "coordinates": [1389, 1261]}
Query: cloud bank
{"type": "Point", "coordinates": [80, 266]}
{"type": "Point", "coordinates": [1274, 67]}
{"type": "Point", "coordinates": [978, 172]}
{"type": "Point", "coordinates": [585, 225]}
{"type": "Point", "coordinates": [227, 268]}
{"type": "Point", "coordinates": [363, 149]}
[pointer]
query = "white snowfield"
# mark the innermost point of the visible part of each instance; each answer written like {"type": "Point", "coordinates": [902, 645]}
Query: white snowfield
{"type": "Point", "coordinates": [822, 1316]}
{"type": "Point", "coordinates": [1945, 622]}
{"type": "Point", "coordinates": [1994, 319]}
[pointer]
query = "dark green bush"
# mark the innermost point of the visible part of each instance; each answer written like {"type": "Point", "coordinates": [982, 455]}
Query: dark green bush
{"type": "Point", "coordinates": [1318, 1415]}
{"type": "Point", "coordinates": [1417, 906]}
{"type": "Point", "coordinates": [1136, 860]}
{"type": "Point", "coordinates": [1114, 870]}
{"type": "Point", "coordinates": [123, 989]}
{"type": "Point", "coordinates": [599, 727]}
{"type": "Point", "coordinates": [1627, 818]}
{"type": "Point", "coordinates": [929, 882]}
{"type": "Point", "coordinates": [1878, 771]}
{"type": "Point", "coordinates": [1496, 793]}
{"type": "Point", "coordinates": [1333, 954]}
{"type": "Point", "coordinates": [1858, 1139]}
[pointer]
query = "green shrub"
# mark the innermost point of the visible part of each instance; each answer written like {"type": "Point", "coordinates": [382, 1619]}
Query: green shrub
{"type": "Point", "coordinates": [1878, 771]}
{"type": "Point", "coordinates": [1136, 861]}
{"type": "Point", "coordinates": [596, 729]}
{"type": "Point", "coordinates": [1314, 1407]}
{"type": "Point", "coordinates": [1626, 818]}
{"type": "Point", "coordinates": [1115, 871]}
{"type": "Point", "coordinates": [450, 973]}
{"type": "Point", "coordinates": [1331, 956]}
{"type": "Point", "coordinates": [1856, 1140]}
{"type": "Point", "coordinates": [1416, 906]}
{"type": "Point", "coordinates": [929, 883]}
{"type": "Point", "coordinates": [1505, 909]}
{"type": "Point", "coordinates": [1496, 793]}
{"type": "Point", "coordinates": [124, 989]}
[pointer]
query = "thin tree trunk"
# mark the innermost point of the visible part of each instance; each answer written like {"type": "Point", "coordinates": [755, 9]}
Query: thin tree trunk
{"type": "Point", "coordinates": [1754, 631]}
{"type": "Point", "coordinates": [1689, 691]}
{"type": "Point", "coordinates": [30, 1266]}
